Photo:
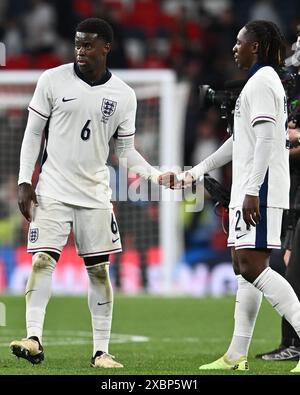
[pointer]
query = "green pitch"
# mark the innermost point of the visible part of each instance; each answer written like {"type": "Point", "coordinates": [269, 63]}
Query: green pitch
{"type": "Point", "coordinates": [150, 335]}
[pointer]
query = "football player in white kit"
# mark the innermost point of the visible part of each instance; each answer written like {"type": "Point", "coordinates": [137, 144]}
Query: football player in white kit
{"type": "Point", "coordinates": [81, 106]}
{"type": "Point", "coordinates": [260, 187]}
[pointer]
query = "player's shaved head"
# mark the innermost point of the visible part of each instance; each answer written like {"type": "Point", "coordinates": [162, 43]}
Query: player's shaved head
{"type": "Point", "coordinates": [97, 26]}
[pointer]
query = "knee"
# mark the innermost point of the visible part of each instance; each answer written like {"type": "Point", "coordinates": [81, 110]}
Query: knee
{"type": "Point", "coordinates": [100, 271]}
{"type": "Point", "coordinates": [42, 261]}
{"type": "Point", "coordinates": [252, 264]}
{"type": "Point", "coordinates": [248, 272]}
{"type": "Point", "coordinates": [244, 271]}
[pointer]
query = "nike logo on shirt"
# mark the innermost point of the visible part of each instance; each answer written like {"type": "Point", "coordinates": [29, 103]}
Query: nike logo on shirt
{"type": "Point", "coordinates": [65, 100]}
{"type": "Point", "coordinates": [238, 237]}
{"type": "Point", "coordinates": [115, 240]}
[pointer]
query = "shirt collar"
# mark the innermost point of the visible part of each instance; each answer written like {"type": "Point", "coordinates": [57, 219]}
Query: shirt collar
{"type": "Point", "coordinates": [253, 69]}
{"type": "Point", "coordinates": [102, 80]}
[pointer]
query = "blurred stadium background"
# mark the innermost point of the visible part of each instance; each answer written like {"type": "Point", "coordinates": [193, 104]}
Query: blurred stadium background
{"type": "Point", "coordinates": [166, 248]}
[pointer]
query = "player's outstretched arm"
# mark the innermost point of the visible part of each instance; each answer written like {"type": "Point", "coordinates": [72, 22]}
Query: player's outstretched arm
{"type": "Point", "coordinates": [185, 179]}
{"type": "Point", "coordinates": [134, 161]}
{"type": "Point", "coordinates": [219, 158]}
{"type": "Point", "coordinates": [29, 153]}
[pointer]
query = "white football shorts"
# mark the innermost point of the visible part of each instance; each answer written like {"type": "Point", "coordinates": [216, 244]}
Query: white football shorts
{"type": "Point", "coordinates": [95, 230]}
{"type": "Point", "coordinates": [266, 234]}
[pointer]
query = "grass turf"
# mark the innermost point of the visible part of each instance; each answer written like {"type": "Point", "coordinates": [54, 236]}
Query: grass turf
{"type": "Point", "coordinates": [151, 335]}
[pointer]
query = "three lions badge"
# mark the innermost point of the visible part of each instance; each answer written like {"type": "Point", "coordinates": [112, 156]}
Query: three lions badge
{"type": "Point", "coordinates": [108, 108]}
{"type": "Point", "coordinates": [33, 235]}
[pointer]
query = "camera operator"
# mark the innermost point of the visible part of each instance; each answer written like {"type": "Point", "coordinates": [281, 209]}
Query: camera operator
{"type": "Point", "coordinates": [289, 348]}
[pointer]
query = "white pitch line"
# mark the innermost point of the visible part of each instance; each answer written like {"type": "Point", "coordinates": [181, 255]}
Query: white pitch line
{"type": "Point", "coordinates": [65, 338]}
{"type": "Point", "coordinates": [69, 337]}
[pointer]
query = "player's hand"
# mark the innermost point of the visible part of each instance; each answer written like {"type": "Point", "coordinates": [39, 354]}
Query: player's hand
{"type": "Point", "coordinates": [176, 181]}
{"type": "Point", "coordinates": [186, 178]}
{"type": "Point", "coordinates": [168, 180]}
{"type": "Point", "coordinates": [286, 257]}
{"type": "Point", "coordinates": [291, 125]}
{"type": "Point", "coordinates": [26, 197]}
{"type": "Point", "coordinates": [251, 212]}
{"type": "Point", "coordinates": [294, 135]}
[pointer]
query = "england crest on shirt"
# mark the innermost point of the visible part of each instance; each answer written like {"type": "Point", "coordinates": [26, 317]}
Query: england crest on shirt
{"type": "Point", "coordinates": [108, 108]}
{"type": "Point", "coordinates": [33, 235]}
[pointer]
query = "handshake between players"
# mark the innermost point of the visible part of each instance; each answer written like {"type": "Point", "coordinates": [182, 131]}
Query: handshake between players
{"type": "Point", "coordinates": [176, 181]}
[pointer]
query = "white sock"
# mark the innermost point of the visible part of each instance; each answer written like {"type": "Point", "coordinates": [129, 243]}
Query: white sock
{"type": "Point", "coordinates": [38, 292]}
{"type": "Point", "coordinates": [281, 296]}
{"type": "Point", "coordinates": [100, 300]}
{"type": "Point", "coordinates": [247, 304]}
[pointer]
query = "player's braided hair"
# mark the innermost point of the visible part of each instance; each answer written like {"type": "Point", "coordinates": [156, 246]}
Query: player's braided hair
{"type": "Point", "coordinates": [98, 26]}
{"type": "Point", "coordinates": [271, 49]}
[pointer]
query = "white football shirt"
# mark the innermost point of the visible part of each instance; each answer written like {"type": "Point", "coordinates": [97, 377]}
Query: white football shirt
{"type": "Point", "coordinates": [81, 121]}
{"type": "Point", "coordinates": [262, 99]}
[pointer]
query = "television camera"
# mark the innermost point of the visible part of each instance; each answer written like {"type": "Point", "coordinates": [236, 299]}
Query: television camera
{"type": "Point", "coordinates": [225, 99]}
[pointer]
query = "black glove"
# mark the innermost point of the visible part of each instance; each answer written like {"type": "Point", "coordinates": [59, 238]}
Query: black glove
{"type": "Point", "coordinates": [218, 193]}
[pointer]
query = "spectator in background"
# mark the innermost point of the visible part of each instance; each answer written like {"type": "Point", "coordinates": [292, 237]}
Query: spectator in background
{"type": "Point", "coordinates": [13, 38]}
{"type": "Point", "coordinates": [39, 24]}
{"type": "Point", "coordinates": [265, 9]}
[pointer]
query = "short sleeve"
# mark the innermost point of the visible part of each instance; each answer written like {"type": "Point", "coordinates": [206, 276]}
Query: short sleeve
{"type": "Point", "coordinates": [262, 102]}
{"type": "Point", "coordinates": [41, 102]}
{"type": "Point", "coordinates": [126, 127]}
